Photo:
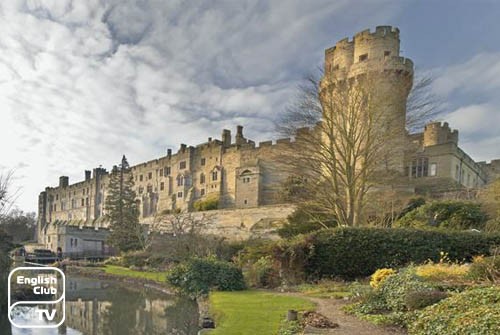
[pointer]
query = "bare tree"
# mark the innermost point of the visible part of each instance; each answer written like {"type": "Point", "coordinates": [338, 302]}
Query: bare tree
{"type": "Point", "coordinates": [345, 141]}
{"type": "Point", "coordinates": [7, 197]}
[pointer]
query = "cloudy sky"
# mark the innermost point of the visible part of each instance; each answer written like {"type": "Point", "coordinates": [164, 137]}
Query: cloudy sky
{"type": "Point", "coordinates": [82, 82]}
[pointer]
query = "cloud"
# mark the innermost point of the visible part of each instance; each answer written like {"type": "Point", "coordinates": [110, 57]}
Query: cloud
{"type": "Point", "coordinates": [471, 92]}
{"type": "Point", "coordinates": [83, 82]}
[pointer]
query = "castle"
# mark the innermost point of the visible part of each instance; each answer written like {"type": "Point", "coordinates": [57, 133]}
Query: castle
{"type": "Point", "coordinates": [241, 174]}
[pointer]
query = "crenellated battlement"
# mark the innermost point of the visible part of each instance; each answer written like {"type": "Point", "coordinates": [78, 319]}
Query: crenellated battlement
{"type": "Point", "coordinates": [436, 133]}
{"type": "Point", "coordinates": [350, 57]}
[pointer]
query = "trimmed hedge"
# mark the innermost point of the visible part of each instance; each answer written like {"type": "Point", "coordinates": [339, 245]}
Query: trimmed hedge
{"type": "Point", "coordinates": [358, 252]}
{"type": "Point", "coordinates": [200, 275]}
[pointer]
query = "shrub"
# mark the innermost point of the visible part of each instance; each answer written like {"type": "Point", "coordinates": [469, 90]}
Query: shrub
{"type": "Point", "coordinates": [208, 204]}
{"type": "Point", "coordinates": [262, 273]}
{"type": "Point", "coordinates": [457, 215]}
{"type": "Point", "coordinates": [485, 269]}
{"type": "Point", "coordinates": [442, 271]}
{"type": "Point", "coordinates": [198, 276]}
{"type": "Point", "coordinates": [379, 276]}
{"type": "Point", "coordinates": [135, 258]}
{"type": "Point", "coordinates": [305, 220]}
{"type": "Point", "coordinates": [357, 252]}
{"type": "Point", "coordinates": [421, 299]}
{"type": "Point", "coordinates": [476, 311]}
{"type": "Point", "coordinates": [396, 288]}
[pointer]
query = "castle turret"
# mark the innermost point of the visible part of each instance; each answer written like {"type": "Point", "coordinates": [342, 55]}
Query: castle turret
{"type": "Point", "coordinates": [391, 76]}
{"type": "Point", "coordinates": [435, 133]}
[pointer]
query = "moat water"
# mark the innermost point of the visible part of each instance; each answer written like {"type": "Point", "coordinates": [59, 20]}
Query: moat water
{"type": "Point", "coordinates": [95, 307]}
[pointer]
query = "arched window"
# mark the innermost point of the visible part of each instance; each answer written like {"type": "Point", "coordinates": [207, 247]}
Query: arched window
{"type": "Point", "coordinates": [214, 175]}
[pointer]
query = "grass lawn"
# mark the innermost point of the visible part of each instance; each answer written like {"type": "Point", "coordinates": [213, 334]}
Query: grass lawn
{"type": "Point", "coordinates": [252, 312]}
{"type": "Point", "coordinates": [122, 271]}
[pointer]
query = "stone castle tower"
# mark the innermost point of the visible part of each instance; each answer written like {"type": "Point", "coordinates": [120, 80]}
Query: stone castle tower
{"type": "Point", "coordinates": [378, 54]}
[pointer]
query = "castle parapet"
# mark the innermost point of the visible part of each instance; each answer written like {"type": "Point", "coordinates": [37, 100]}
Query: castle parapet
{"type": "Point", "coordinates": [435, 133]}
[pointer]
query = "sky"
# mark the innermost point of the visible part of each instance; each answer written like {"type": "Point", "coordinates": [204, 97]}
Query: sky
{"type": "Point", "coordinates": [83, 82]}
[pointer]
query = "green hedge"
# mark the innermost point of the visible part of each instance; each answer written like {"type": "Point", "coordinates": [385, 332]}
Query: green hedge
{"type": "Point", "coordinates": [358, 252]}
{"type": "Point", "coordinates": [200, 275]}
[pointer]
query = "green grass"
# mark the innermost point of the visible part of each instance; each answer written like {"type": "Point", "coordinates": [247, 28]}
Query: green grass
{"type": "Point", "coordinates": [325, 289]}
{"type": "Point", "coordinates": [252, 312]}
{"type": "Point", "coordinates": [122, 271]}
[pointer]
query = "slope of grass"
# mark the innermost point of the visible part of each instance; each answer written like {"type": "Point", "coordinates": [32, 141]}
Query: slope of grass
{"type": "Point", "coordinates": [252, 312]}
{"type": "Point", "coordinates": [122, 271]}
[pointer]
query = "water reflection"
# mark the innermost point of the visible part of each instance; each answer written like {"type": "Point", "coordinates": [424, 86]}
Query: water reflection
{"type": "Point", "coordinates": [104, 308]}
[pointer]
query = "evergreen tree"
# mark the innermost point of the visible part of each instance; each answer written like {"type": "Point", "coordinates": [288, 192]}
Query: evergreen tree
{"type": "Point", "coordinates": [122, 211]}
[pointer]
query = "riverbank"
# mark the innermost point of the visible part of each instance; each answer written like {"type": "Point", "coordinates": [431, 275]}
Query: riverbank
{"type": "Point", "coordinates": [132, 278]}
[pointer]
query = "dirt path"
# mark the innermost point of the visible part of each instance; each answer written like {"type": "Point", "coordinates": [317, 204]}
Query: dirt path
{"type": "Point", "coordinates": [348, 324]}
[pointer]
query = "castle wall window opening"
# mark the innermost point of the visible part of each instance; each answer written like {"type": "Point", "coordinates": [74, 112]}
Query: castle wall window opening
{"type": "Point", "coordinates": [167, 171]}
{"type": "Point", "coordinates": [179, 194]}
{"type": "Point", "coordinates": [182, 165]}
{"type": "Point", "coordinates": [214, 176]}
{"type": "Point", "coordinates": [203, 161]}
{"type": "Point", "coordinates": [202, 178]}
{"type": "Point", "coordinates": [363, 57]}
{"type": "Point", "coordinates": [420, 167]}
{"type": "Point", "coordinates": [150, 175]}
{"type": "Point", "coordinates": [162, 186]}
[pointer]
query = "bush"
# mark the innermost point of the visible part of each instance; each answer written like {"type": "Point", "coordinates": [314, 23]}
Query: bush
{"type": "Point", "coordinates": [396, 288]}
{"type": "Point", "coordinates": [198, 276]}
{"type": "Point", "coordinates": [456, 215]}
{"type": "Point", "coordinates": [443, 272]}
{"type": "Point", "coordinates": [421, 299]}
{"type": "Point", "coordinates": [303, 221]}
{"type": "Point", "coordinates": [357, 252]}
{"type": "Point", "coordinates": [135, 258]}
{"type": "Point", "coordinates": [262, 274]}
{"type": "Point", "coordinates": [208, 204]}
{"type": "Point", "coordinates": [471, 312]}
{"type": "Point", "coordinates": [485, 269]}
{"type": "Point", "coordinates": [379, 276]}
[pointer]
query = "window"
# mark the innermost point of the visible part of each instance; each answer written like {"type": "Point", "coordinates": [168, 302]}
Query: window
{"type": "Point", "coordinates": [202, 178]}
{"type": "Point", "coordinates": [202, 192]}
{"type": "Point", "coordinates": [149, 189]}
{"type": "Point", "coordinates": [457, 172]}
{"type": "Point", "coordinates": [167, 171]}
{"type": "Point", "coordinates": [387, 53]}
{"type": "Point", "coordinates": [162, 186]}
{"type": "Point", "coordinates": [179, 194]}
{"type": "Point", "coordinates": [180, 181]}
{"type": "Point", "coordinates": [433, 169]}
{"type": "Point", "coordinates": [141, 189]}
{"type": "Point", "coordinates": [71, 242]}
{"type": "Point", "coordinates": [87, 201]}
{"type": "Point", "coordinates": [214, 175]}
{"type": "Point", "coordinates": [161, 172]}
{"type": "Point", "coordinates": [245, 202]}
{"type": "Point", "coordinates": [363, 57]}
{"type": "Point", "coordinates": [182, 165]}
{"type": "Point", "coordinates": [150, 175]}
{"type": "Point", "coordinates": [55, 207]}
{"type": "Point", "coordinates": [83, 202]}
{"type": "Point", "coordinates": [57, 196]}
{"type": "Point", "coordinates": [140, 177]}
{"type": "Point", "coordinates": [48, 239]}
{"type": "Point", "coordinates": [203, 161]}
{"type": "Point", "coordinates": [420, 167]}
{"type": "Point", "coordinates": [246, 180]}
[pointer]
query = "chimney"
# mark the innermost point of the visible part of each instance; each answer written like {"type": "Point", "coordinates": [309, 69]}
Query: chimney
{"type": "Point", "coordinates": [87, 175]}
{"type": "Point", "coordinates": [239, 135]}
{"type": "Point", "coordinates": [63, 181]}
{"type": "Point", "coordinates": [226, 137]}
{"type": "Point", "coordinates": [209, 139]}
{"type": "Point", "coordinates": [183, 147]}
{"type": "Point", "coordinates": [169, 152]}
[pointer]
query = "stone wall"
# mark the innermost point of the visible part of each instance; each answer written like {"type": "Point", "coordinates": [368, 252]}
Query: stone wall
{"type": "Point", "coordinates": [236, 224]}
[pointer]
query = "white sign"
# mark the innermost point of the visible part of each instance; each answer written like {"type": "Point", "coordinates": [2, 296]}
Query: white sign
{"type": "Point", "coordinates": [46, 283]}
